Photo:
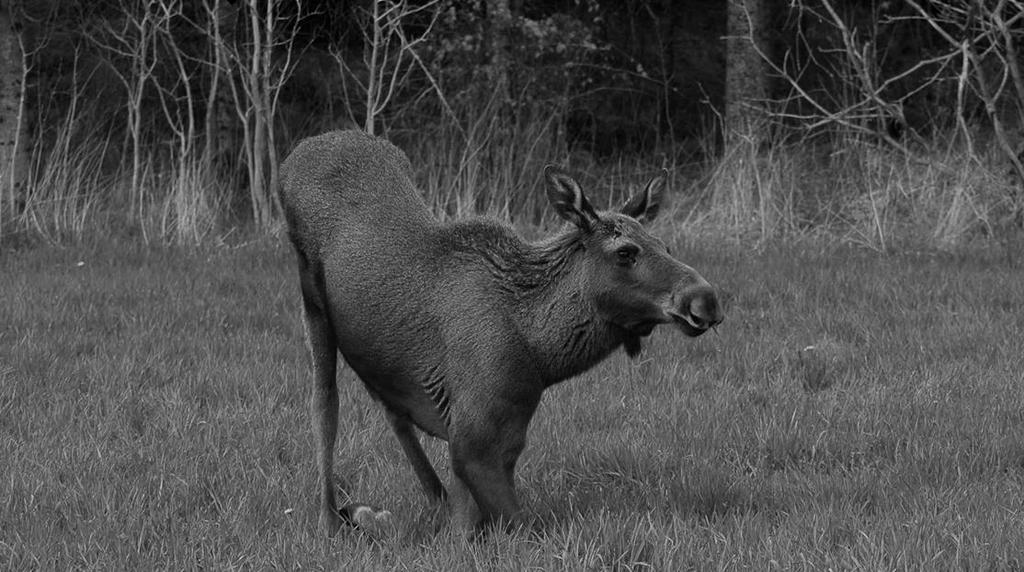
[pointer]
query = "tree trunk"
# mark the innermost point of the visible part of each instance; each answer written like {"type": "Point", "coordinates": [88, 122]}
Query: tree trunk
{"type": "Point", "coordinates": [498, 97]}
{"type": "Point", "coordinates": [13, 143]}
{"type": "Point", "coordinates": [269, 111]}
{"type": "Point", "coordinates": [372, 85]}
{"type": "Point", "coordinates": [739, 193]}
{"type": "Point", "coordinates": [220, 137]}
{"type": "Point", "coordinates": [499, 19]}
{"type": "Point", "coordinates": [746, 83]}
{"type": "Point", "coordinates": [257, 182]}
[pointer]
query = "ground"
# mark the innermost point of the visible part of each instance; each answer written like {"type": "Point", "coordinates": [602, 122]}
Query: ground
{"type": "Point", "coordinates": [854, 411]}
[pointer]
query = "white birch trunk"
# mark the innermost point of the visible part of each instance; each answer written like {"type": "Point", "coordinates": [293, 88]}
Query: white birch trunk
{"type": "Point", "coordinates": [13, 142]}
{"type": "Point", "coordinates": [746, 74]}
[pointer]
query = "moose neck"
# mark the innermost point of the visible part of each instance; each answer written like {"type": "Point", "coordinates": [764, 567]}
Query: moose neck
{"type": "Point", "coordinates": [558, 319]}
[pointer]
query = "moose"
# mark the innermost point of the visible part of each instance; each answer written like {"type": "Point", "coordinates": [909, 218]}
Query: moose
{"type": "Point", "coordinates": [457, 328]}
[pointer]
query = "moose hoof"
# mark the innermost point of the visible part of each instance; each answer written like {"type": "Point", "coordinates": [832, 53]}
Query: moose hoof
{"type": "Point", "coordinates": [367, 517]}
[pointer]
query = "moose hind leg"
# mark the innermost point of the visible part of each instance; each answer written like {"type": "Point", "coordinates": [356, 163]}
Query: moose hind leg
{"type": "Point", "coordinates": [323, 348]}
{"type": "Point", "coordinates": [417, 458]}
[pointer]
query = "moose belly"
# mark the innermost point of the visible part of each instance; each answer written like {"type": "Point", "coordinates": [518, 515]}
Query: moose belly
{"type": "Point", "coordinates": [397, 388]}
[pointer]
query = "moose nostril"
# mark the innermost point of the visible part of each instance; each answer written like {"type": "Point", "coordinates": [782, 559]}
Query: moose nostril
{"type": "Point", "coordinates": [705, 310]}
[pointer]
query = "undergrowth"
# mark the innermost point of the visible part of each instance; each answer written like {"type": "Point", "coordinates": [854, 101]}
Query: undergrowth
{"type": "Point", "coordinates": [847, 190]}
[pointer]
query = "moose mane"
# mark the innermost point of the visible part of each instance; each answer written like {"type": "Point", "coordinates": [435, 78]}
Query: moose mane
{"type": "Point", "coordinates": [519, 267]}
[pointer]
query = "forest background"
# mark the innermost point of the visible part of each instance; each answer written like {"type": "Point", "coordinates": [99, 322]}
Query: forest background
{"type": "Point", "coordinates": [883, 123]}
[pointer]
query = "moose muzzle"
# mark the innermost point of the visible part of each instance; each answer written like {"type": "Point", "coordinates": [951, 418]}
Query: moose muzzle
{"type": "Point", "coordinates": [696, 309]}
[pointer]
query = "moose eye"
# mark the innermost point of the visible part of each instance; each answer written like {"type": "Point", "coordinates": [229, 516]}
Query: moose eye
{"type": "Point", "coordinates": [627, 254]}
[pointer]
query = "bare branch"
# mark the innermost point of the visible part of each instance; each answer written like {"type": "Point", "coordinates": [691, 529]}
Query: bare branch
{"type": "Point", "coordinates": [390, 57]}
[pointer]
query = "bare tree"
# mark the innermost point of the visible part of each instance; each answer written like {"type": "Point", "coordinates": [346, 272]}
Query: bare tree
{"type": "Point", "coordinates": [187, 211]}
{"type": "Point", "coordinates": [13, 70]}
{"type": "Point", "coordinates": [983, 37]}
{"type": "Point", "coordinates": [389, 58]}
{"type": "Point", "coordinates": [219, 24]}
{"type": "Point", "coordinates": [867, 101]}
{"type": "Point", "coordinates": [177, 97]}
{"type": "Point", "coordinates": [256, 67]}
{"type": "Point", "coordinates": [129, 48]}
{"type": "Point", "coordinates": [981, 58]}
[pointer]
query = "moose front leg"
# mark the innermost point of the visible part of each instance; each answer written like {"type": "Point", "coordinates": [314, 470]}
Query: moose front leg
{"type": "Point", "coordinates": [465, 514]}
{"type": "Point", "coordinates": [484, 446]}
{"type": "Point", "coordinates": [482, 492]}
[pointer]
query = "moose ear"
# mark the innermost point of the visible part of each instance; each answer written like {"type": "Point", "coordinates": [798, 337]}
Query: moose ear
{"type": "Point", "coordinates": [644, 205]}
{"type": "Point", "coordinates": [566, 196]}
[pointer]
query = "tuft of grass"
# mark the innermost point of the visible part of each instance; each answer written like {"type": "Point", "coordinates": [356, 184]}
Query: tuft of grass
{"type": "Point", "coordinates": [62, 190]}
{"type": "Point", "coordinates": [192, 202]}
{"type": "Point", "coordinates": [67, 198]}
{"type": "Point", "coordinates": [153, 414]}
{"type": "Point", "coordinates": [856, 192]}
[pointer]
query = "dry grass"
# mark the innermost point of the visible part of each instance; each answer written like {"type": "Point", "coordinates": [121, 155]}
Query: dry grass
{"type": "Point", "coordinates": [859, 193]}
{"type": "Point", "coordinates": [853, 192]}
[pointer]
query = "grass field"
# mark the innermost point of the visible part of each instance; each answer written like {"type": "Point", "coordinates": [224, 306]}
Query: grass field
{"type": "Point", "coordinates": [854, 411]}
